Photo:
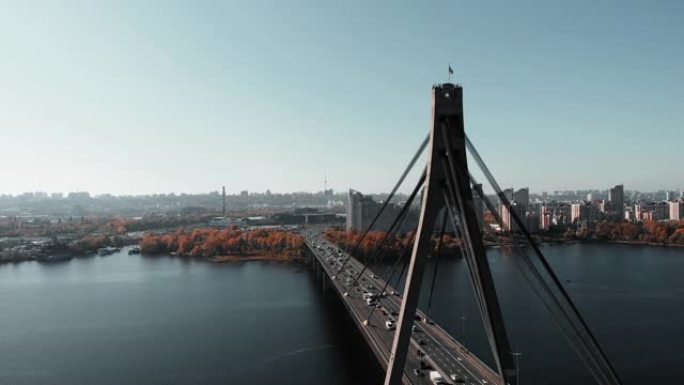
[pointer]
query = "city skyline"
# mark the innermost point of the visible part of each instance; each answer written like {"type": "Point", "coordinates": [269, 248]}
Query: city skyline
{"type": "Point", "coordinates": [243, 192]}
{"type": "Point", "coordinates": [132, 98]}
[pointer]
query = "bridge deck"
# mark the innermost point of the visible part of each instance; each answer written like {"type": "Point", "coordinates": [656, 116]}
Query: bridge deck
{"type": "Point", "coordinates": [429, 342]}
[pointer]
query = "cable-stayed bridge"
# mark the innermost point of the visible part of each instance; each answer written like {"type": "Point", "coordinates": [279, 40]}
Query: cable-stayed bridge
{"type": "Point", "coordinates": [407, 343]}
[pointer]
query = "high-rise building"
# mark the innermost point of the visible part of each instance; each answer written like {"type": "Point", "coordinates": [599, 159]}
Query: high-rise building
{"type": "Point", "coordinates": [362, 209]}
{"type": "Point", "coordinates": [519, 201]}
{"type": "Point", "coordinates": [616, 198]}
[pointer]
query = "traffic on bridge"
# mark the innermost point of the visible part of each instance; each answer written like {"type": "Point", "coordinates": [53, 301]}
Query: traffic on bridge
{"type": "Point", "coordinates": [433, 354]}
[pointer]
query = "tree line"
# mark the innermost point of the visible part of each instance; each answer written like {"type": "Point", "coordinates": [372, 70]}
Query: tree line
{"type": "Point", "coordinates": [393, 246]}
{"type": "Point", "coordinates": [661, 232]}
{"type": "Point", "coordinates": [208, 243]}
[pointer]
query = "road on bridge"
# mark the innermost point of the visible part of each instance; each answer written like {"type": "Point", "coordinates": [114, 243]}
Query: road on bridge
{"type": "Point", "coordinates": [431, 348]}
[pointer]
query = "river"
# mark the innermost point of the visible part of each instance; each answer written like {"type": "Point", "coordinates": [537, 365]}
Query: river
{"type": "Point", "coordinates": [163, 320]}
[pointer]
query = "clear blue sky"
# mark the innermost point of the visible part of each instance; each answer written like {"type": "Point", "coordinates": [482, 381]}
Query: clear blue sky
{"type": "Point", "coordinates": [144, 96]}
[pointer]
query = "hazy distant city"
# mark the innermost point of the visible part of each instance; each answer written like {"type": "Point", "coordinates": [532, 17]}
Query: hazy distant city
{"type": "Point", "coordinates": [636, 204]}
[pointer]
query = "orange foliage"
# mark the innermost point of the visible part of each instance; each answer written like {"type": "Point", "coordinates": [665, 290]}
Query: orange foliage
{"type": "Point", "coordinates": [393, 246]}
{"type": "Point", "coordinates": [209, 243]}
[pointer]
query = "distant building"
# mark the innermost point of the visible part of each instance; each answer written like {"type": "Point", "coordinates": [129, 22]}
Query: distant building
{"type": "Point", "coordinates": [79, 195]}
{"type": "Point", "coordinates": [655, 211]}
{"type": "Point", "coordinates": [478, 204]}
{"type": "Point", "coordinates": [522, 196]}
{"type": "Point", "coordinates": [533, 222]}
{"type": "Point", "coordinates": [583, 211]}
{"type": "Point", "coordinates": [616, 198]}
{"type": "Point", "coordinates": [600, 205]}
{"type": "Point", "coordinates": [361, 210]}
{"type": "Point", "coordinates": [676, 210]}
{"type": "Point", "coordinates": [670, 195]}
{"type": "Point", "coordinates": [519, 201]}
{"type": "Point", "coordinates": [555, 213]}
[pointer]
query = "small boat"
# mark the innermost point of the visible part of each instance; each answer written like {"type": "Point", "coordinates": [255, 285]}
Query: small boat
{"type": "Point", "coordinates": [134, 250]}
{"type": "Point", "coordinates": [107, 250]}
{"type": "Point", "coordinates": [55, 258]}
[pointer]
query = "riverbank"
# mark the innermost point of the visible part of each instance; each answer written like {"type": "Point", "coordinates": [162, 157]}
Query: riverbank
{"type": "Point", "coordinates": [639, 243]}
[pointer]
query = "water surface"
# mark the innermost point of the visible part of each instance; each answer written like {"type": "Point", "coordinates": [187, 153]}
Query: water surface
{"type": "Point", "coordinates": [162, 320]}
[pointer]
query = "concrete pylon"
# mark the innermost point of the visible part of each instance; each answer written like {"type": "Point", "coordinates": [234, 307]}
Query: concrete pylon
{"type": "Point", "coordinates": [447, 183]}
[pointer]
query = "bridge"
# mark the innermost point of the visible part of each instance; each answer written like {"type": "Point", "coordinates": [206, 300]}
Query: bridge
{"type": "Point", "coordinates": [405, 341]}
{"type": "Point", "coordinates": [431, 348]}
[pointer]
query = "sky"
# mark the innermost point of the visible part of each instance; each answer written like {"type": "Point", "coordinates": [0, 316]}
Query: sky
{"type": "Point", "coordinates": [132, 97]}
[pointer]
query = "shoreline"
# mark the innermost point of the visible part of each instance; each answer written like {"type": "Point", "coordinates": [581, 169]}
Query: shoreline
{"type": "Point", "coordinates": [599, 241]}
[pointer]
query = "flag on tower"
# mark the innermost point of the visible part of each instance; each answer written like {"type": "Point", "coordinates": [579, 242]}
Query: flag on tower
{"type": "Point", "coordinates": [451, 72]}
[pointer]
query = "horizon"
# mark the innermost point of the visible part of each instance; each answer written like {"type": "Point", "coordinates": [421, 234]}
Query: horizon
{"type": "Point", "coordinates": [318, 192]}
{"type": "Point", "coordinates": [127, 99]}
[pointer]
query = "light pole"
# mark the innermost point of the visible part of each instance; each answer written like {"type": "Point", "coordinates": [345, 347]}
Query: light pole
{"type": "Point", "coordinates": [516, 359]}
{"type": "Point", "coordinates": [463, 330]}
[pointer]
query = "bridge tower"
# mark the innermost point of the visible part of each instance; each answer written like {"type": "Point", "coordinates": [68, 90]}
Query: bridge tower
{"type": "Point", "coordinates": [447, 183]}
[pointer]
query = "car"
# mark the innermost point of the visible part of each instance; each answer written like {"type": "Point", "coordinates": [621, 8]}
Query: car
{"type": "Point", "coordinates": [421, 342]}
{"type": "Point", "coordinates": [420, 353]}
{"type": "Point", "coordinates": [394, 313]}
{"type": "Point", "coordinates": [389, 324]}
{"type": "Point", "coordinates": [417, 372]}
